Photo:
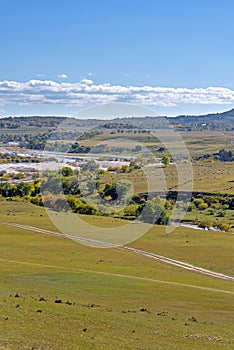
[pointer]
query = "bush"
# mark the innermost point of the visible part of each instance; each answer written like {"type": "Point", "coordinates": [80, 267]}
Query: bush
{"type": "Point", "coordinates": [37, 201]}
{"type": "Point", "coordinates": [198, 201]}
{"type": "Point", "coordinates": [19, 175]}
{"type": "Point", "coordinates": [6, 177]}
{"type": "Point", "coordinates": [203, 206]}
{"type": "Point", "coordinates": [205, 223]}
{"type": "Point", "coordinates": [223, 226]}
{"type": "Point", "coordinates": [131, 210]}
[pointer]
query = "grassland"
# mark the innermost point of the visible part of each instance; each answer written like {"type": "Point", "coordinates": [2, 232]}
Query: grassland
{"type": "Point", "coordinates": [167, 178]}
{"type": "Point", "coordinates": [24, 130]}
{"type": "Point", "coordinates": [198, 143]}
{"type": "Point", "coordinates": [107, 298]}
{"type": "Point", "coordinates": [56, 294]}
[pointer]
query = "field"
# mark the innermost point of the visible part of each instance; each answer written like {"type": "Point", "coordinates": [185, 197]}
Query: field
{"type": "Point", "coordinates": [167, 178]}
{"type": "Point", "coordinates": [198, 143]}
{"type": "Point", "coordinates": [57, 294]}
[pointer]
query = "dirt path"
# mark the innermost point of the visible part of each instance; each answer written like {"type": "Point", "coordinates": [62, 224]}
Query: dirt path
{"type": "Point", "coordinates": [161, 258]}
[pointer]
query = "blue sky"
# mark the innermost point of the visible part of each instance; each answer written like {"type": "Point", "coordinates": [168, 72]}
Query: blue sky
{"type": "Point", "coordinates": [59, 56]}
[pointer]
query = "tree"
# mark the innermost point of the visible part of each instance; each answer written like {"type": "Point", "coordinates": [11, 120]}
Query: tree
{"type": "Point", "coordinates": [154, 213]}
{"type": "Point", "coordinates": [52, 183]}
{"type": "Point", "coordinates": [133, 165]}
{"type": "Point", "coordinates": [125, 169]}
{"type": "Point", "coordinates": [91, 166]}
{"type": "Point", "coordinates": [23, 189]}
{"type": "Point", "coordinates": [71, 185]}
{"type": "Point", "coordinates": [7, 190]}
{"type": "Point", "coordinates": [166, 160]}
{"type": "Point", "coordinates": [116, 191]}
{"type": "Point", "coordinates": [131, 210]}
{"type": "Point", "coordinates": [203, 206]}
{"type": "Point", "coordinates": [67, 171]}
{"type": "Point", "coordinates": [122, 189]}
{"type": "Point", "coordinates": [110, 191]}
{"type": "Point", "coordinates": [92, 186]}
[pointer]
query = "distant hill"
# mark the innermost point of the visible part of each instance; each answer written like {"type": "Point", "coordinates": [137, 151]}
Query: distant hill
{"type": "Point", "coordinates": [214, 121]}
{"type": "Point", "coordinates": [224, 117]}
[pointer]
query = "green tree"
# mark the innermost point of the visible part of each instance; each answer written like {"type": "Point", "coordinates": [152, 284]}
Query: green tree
{"type": "Point", "coordinates": [203, 206]}
{"type": "Point", "coordinates": [166, 160]}
{"type": "Point", "coordinates": [131, 210]}
{"type": "Point", "coordinates": [23, 189]}
{"type": "Point", "coordinates": [67, 171]}
{"type": "Point", "coordinates": [52, 183]}
{"type": "Point", "coordinates": [154, 213]}
{"type": "Point", "coordinates": [91, 166]}
{"type": "Point", "coordinates": [116, 191]}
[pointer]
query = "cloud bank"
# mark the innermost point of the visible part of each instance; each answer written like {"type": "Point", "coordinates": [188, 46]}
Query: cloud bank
{"type": "Point", "coordinates": [86, 92]}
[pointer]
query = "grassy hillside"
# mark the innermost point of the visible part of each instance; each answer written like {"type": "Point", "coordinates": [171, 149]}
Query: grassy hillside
{"type": "Point", "coordinates": [57, 294]}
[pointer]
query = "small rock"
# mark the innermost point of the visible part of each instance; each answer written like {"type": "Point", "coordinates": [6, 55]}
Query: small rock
{"type": "Point", "coordinates": [42, 299]}
{"type": "Point", "coordinates": [58, 301]}
{"type": "Point", "coordinates": [163, 313]}
{"type": "Point", "coordinates": [144, 309]}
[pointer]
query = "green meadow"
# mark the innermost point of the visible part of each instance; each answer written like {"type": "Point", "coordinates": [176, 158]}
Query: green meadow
{"type": "Point", "coordinates": [59, 294]}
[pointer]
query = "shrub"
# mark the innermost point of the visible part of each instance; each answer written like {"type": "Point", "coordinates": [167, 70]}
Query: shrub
{"type": "Point", "coordinates": [223, 226]}
{"type": "Point", "coordinates": [203, 206]}
{"type": "Point", "coordinates": [205, 223]}
{"type": "Point", "coordinates": [19, 175]}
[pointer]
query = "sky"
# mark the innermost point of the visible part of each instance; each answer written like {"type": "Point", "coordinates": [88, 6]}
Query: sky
{"type": "Point", "coordinates": [58, 57]}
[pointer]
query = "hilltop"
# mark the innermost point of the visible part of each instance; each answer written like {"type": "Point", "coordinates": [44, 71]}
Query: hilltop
{"type": "Point", "coordinates": [215, 121]}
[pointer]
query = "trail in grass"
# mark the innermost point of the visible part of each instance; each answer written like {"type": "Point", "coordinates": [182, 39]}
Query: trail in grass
{"type": "Point", "coordinates": [137, 278]}
{"type": "Point", "coordinates": [147, 254]}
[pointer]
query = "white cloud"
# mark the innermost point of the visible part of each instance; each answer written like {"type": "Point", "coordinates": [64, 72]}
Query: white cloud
{"type": "Point", "coordinates": [63, 76]}
{"type": "Point", "coordinates": [86, 92]}
{"type": "Point", "coordinates": [40, 75]}
{"type": "Point", "coordinates": [86, 82]}
{"type": "Point", "coordinates": [90, 74]}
